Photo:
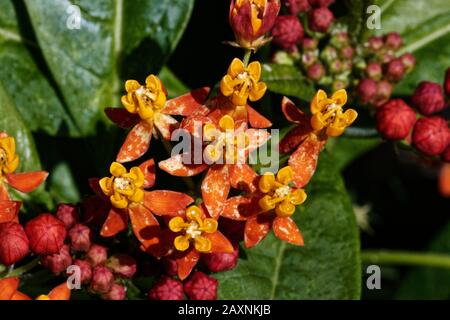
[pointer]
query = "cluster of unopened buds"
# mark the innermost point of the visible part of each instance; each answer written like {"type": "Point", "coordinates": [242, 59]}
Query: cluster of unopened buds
{"type": "Point", "coordinates": [173, 228]}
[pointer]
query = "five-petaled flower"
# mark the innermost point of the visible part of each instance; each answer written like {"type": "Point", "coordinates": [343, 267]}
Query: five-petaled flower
{"type": "Point", "coordinates": [195, 233]}
{"type": "Point", "coordinates": [9, 162]}
{"type": "Point", "coordinates": [9, 286]}
{"type": "Point", "coordinates": [148, 112]}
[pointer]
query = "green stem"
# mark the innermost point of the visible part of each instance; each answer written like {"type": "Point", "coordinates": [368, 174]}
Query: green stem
{"type": "Point", "coordinates": [406, 258]}
{"type": "Point", "coordinates": [23, 269]}
{"type": "Point", "coordinates": [246, 59]}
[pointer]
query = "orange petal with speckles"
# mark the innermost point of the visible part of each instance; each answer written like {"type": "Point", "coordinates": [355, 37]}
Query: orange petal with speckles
{"type": "Point", "coordinates": [256, 228]}
{"type": "Point", "coordinates": [27, 181]}
{"type": "Point", "coordinates": [186, 262]}
{"type": "Point", "coordinates": [145, 226]}
{"type": "Point", "coordinates": [116, 222]}
{"type": "Point", "coordinates": [240, 207]}
{"type": "Point", "coordinates": [8, 287]}
{"type": "Point", "coordinates": [165, 125]}
{"type": "Point", "coordinates": [175, 166]}
{"type": "Point", "coordinates": [136, 143]}
{"type": "Point", "coordinates": [257, 120]}
{"type": "Point", "coordinates": [122, 117]}
{"type": "Point", "coordinates": [286, 229]}
{"type": "Point", "coordinates": [257, 138]}
{"type": "Point", "coordinates": [188, 103]}
{"type": "Point", "coordinates": [9, 211]}
{"type": "Point", "coordinates": [61, 292]}
{"type": "Point", "coordinates": [243, 177]}
{"type": "Point", "coordinates": [304, 160]}
{"type": "Point", "coordinates": [294, 137]}
{"type": "Point", "coordinates": [4, 195]}
{"type": "Point", "coordinates": [165, 202]}
{"type": "Point", "coordinates": [219, 243]}
{"type": "Point", "coordinates": [148, 169]}
{"type": "Point", "coordinates": [215, 189]}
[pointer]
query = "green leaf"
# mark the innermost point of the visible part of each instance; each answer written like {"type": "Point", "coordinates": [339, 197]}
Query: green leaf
{"type": "Point", "coordinates": [327, 267]}
{"type": "Point", "coordinates": [30, 91]}
{"type": "Point", "coordinates": [425, 28]}
{"type": "Point", "coordinates": [429, 283]}
{"type": "Point", "coordinates": [132, 39]}
{"type": "Point", "coordinates": [62, 185]}
{"type": "Point", "coordinates": [173, 85]}
{"type": "Point", "coordinates": [287, 80]}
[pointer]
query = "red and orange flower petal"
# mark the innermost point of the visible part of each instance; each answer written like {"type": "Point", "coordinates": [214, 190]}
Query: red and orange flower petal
{"type": "Point", "coordinates": [243, 177]}
{"type": "Point", "coordinates": [194, 125]}
{"type": "Point", "coordinates": [286, 229]}
{"type": "Point", "coordinates": [148, 169]}
{"type": "Point", "coordinates": [4, 195]}
{"type": "Point", "coordinates": [165, 202]}
{"type": "Point", "coordinates": [61, 292]}
{"type": "Point", "coordinates": [188, 104]}
{"type": "Point", "coordinates": [186, 262]}
{"type": "Point", "coordinates": [144, 225]}
{"type": "Point", "coordinates": [20, 296]}
{"type": "Point", "coordinates": [241, 207]}
{"type": "Point", "coordinates": [219, 243]}
{"type": "Point", "coordinates": [9, 211]}
{"type": "Point", "coordinates": [176, 167]}
{"type": "Point", "coordinates": [257, 138]}
{"type": "Point", "coordinates": [294, 137]}
{"type": "Point", "coordinates": [136, 143]}
{"type": "Point", "coordinates": [292, 113]}
{"type": "Point", "coordinates": [26, 181]}
{"type": "Point", "coordinates": [8, 286]}
{"type": "Point", "coordinates": [165, 125]}
{"type": "Point", "coordinates": [256, 228]}
{"type": "Point", "coordinates": [257, 120]}
{"type": "Point", "coordinates": [116, 222]}
{"type": "Point", "coordinates": [304, 160]}
{"type": "Point", "coordinates": [215, 189]}
{"type": "Point", "coordinates": [122, 117]}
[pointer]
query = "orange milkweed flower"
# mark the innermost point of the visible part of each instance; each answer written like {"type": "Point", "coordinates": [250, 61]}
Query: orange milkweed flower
{"type": "Point", "coordinates": [9, 286]}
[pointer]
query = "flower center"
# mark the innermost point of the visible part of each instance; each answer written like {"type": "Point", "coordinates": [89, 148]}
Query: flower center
{"type": "Point", "coordinates": [193, 230]}
{"type": "Point", "coordinates": [282, 192]}
{"type": "Point", "coordinates": [123, 183]}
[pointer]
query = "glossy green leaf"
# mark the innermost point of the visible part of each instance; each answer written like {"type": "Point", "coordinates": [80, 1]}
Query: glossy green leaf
{"type": "Point", "coordinates": [327, 267]}
{"type": "Point", "coordinates": [132, 39]}
{"type": "Point", "coordinates": [24, 81]}
{"type": "Point", "coordinates": [62, 186]}
{"type": "Point", "coordinates": [287, 80]}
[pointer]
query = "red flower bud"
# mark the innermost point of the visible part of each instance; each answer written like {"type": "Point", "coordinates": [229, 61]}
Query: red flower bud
{"type": "Point", "coordinates": [395, 70]}
{"type": "Point", "coordinates": [96, 255]}
{"type": "Point", "coordinates": [85, 270]}
{"type": "Point", "coordinates": [375, 43]}
{"type": "Point", "coordinates": [102, 280]}
{"type": "Point", "coordinates": [384, 91]}
{"type": "Point", "coordinates": [251, 21]}
{"type": "Point", "coordinates": [46, 234]}
{"type": "Point", "coordinates": [13, 243]}
{"type": "Point", "coordinates": [309, 44]}
{"type": "Point", "coordinates": [393, 40]}
{"type": "Point", "coordinates": [431, 135]}
{"type": "Point", "coordinates": [320, 3]}
{"type": "Point", "coordinates": [117, 292]}
{"type": "Point", "coordinates": [366, 90]}
{"type": "Point", "coordinates": [287, 32]}
{"type": "Point", "coordinates": [122, 265]}
{"type": "Point", "coordinates": [166, 289]}
{"type": "Point", "coordinates": [297, 6]}
{"type": "Point", "coordinates": [374, 71]}
{"type": "Point", "coordinates": [67, 214]}
{"type": "Point", "coordinates": [316, 71]}
{"type": "Point", "coordinates": [408, 61]}
{"type": "Point", "coordinates": [218, 262]}
{"type": "Point", "coordinates": [395, 119]}
{"type": "Point", "coordinates": [428, 98]}
{"type": "Point", "coordinates": [201, 287]}
{"type": "Point", "coordinates": [80, 237]}
{"type": "Point", "coordinates": [320, 19]}
{"type": "Point", "coordinates": [58, 262]}
{"type": "Point", "coordinates": [447, 83]}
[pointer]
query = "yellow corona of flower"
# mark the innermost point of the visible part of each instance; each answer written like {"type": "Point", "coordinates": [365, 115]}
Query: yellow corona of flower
{"type": "Point", "coordinates": [9, 160]}
{"type": "Point", "coordinates": [328, 114]}
{"type": "Point", "coordinates": [242, 83]}
{"type": "Point", "coordinates": [123, 188]}
{"type": "Point", "coordinates": [224, 141]}
{"type": "Point", "coordinates": [144, 100]}
{"type": "Point", "coordinates": [193, 229]}
{"type": "Point", "coordinates": [279, 195]}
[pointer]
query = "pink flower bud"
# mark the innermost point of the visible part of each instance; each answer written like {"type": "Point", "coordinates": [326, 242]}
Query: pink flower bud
{"type": "Point", "coordinates": [336, 66]}
{"type": "Point", "coordinates": [395, 119]}
{"type": "Point", "coordinates": [46, 234]}
{"type": "Point", "coordinates": [122, 265]}
{"type": "Point", "coordinates": [13, 243]}
{"type": "Point", "coordinates": [375, 43]}
{"type": "Point", "coordinates": [80, 238]}
{"type": "Point", "coordinates": [201, 287]}
{"type": "Point", "coordinates": [374, 71]}
{"type": "Point", "coordinates": [117, 292]}
{"type": "Point", "coordinates": [393, 40]}
{"type": "Point", "coordinates": [408, 61]}
{"type": "Point", "coordinates": [96, 255]}
{"type": "Point", "coordinates": [67, 214]}
{"type": "Point", "coordinates": [287, 32]}
{"type": "Point", "coordinates": [309, 44]}
{"type": "Point", "coordinates": [166, 289]}
{"type": "Point", "coordinates": [384, 91]}
{"type": "Point", "coordinates": [428, 98]}
{"type": "Point", "coordinates": [85, 270]}
{"type": "Point", "coordinates": [395, 70]}
{"type": "Point", "coordinates": [320, 19]}
{"type": "Point", "coordinates": [102, 280]}
{"type": "Point", "coordinates": [347, 52]}
{"type": "Point", "coordinates": [218, 262]}
{"type": "Point", "coordinates": [296, 6]}
{"type": "Point", "coordinates": [316, 71]}
{"type": "Point", "coordinates": [366, 90]}
{"type": "Point", "coordinates": [431, 135]}
{"type": "Point", "coordinates": [59, 262]}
